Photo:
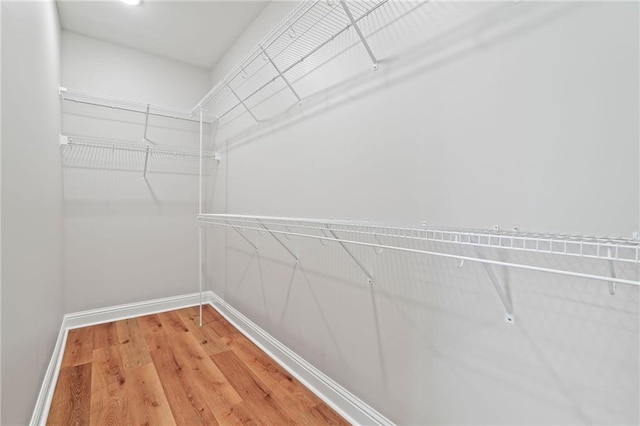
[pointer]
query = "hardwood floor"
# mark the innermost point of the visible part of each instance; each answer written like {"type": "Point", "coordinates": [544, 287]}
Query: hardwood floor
{"type": "Point", "coordinates": [164, 369]}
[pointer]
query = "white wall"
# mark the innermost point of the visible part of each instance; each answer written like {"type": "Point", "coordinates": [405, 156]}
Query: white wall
{"type": "Point", "coordinates": [481, 114]}
{"type": "Point", "coordinates": [32, 224]}
{"type": "Point", "coordinates": [128, 239]}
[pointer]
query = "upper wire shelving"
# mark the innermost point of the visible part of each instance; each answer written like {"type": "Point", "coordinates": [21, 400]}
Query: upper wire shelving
{"type": "Point", "coordinates": [95, 99]}
{"type": "Point", "coordinates": [145, 152]}
{"type": "Point", "coordinates": [279, 60]}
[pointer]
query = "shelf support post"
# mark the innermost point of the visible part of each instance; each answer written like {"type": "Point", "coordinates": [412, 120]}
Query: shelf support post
{"type": "Point", "coordinates": [279, 241]}
{"type": "Point", "coordinates": [242, 235]}
{"type": "Point", "coordinates": [241, 101]}
{"type": "Point", "coordinates": [362, 38]}
{"type": "Point", "coordinates": [146, 124]}
{"type": "Point", "coordinates": [351, 255]}
{"type": "Point", "coordinates": [200, 209]}
{"type": "Point", "coordinates": [280, 73]}
{"type": "Point", "coordinates": [509, 318]}
{"type": "Point", "coordinates": [200, 272]}
{"type": "Point", "coordinates": [612, 270]}
{"type": "Point", "coordinates": [146, 161]}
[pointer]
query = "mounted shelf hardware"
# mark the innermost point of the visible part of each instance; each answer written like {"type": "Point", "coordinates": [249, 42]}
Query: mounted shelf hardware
{"type": "Point", "coordinates": [146, 124]}
{"type": "Point", "coordinates": [360, 35]}
{"type": "Point", "coordinates": [241, 101]}
{"type": "Point", "coordinates": [243, 237]}
{"type": "Point", "coordinates": [612, 270]}
{"type": "Point", "coordinates": [282, 76]}
{"type": "Point", "coordinates": [279, 241]}
{"type": "Point", "coordinates": [504, 298]}
{"type": "Point", "coordinates": [99, 100]}
{"type": "Point", "coordinates": [308, 35]}
{"type": "Point", "coordinates": [144, 151]}
{"type": "Point", "coordinates": [604, 250]}
{"type": "Point", "coordinates": [351, 255]}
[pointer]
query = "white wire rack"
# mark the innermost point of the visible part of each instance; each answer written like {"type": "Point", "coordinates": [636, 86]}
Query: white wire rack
{"type": "Point", "coordinates": [146, 151]}
{"type": "Point", "coordinates": [309, 34]}
{"type": "Point", "coordinates": [148, 109]}
{"type": "Point", "coordinates": [609, 250]}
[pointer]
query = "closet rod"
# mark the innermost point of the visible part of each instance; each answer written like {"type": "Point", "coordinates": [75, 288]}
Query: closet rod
{"type": "Point", "coordinates": [119, 108]}
{"type": "Point", "coordinates": [607, 279]}
{"type": "Point", "coordinates": [72, 95]}
{"type": "Point", "coordinates": [112, 144]}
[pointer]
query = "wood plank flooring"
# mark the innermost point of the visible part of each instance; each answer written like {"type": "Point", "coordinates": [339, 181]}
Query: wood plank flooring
{"type": "Point", "coordinates": [164, 369]}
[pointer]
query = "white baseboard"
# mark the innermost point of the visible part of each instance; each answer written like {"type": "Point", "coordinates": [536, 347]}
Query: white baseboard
{"type": "Point", "coordinates": [345, 403]}
{"type": "Point", "coordinates": [43, 403]}
{"type": "Point", "coordinates": [93, 317]}
{"type": "Point", "coordinates": [131, 310]}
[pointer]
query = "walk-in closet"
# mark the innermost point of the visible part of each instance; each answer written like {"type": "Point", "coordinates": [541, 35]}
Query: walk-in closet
{"type": "Point", "coordinates": [320, 212]}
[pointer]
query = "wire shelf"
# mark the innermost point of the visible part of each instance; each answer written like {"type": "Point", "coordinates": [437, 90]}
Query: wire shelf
{"type": "Point", "coordinates": [113, 144]}
{"type": "Point", "coordinates": [110, 154]}
{"type": "Point", "coordinates": [604, 249]}
{"type": "Point", "coordinates": [88, 98]}
{"type": "Point", "coordinates": [304, 36]}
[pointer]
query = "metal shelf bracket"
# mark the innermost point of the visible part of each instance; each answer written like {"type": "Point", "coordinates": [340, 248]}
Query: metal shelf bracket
{"type": "Point", "coordinates": [281, 74]}
{"type": "Point", "coordinates": [362, 38]}
{"type": "Point", "coordinates": [355, 259]}
{"type": "Point", "coordinates": [243, 236]}
{"type": "Point", "coordinates": [279, 241]}
{"type": "Point", "coordinates": [509, 318]}
{"type": "Point", "coordinates": [146, 124]}
{"type": "Point", "coordinates": [242, 102]}
{"type": "Point", "coordinates": [146, 161]}
{"type": "Point", "coordinates": [612, 270]}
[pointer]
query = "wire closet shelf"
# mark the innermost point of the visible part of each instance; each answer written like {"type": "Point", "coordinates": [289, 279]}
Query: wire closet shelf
{"type": "Point", "coordinates": [118, 145]}
{"type": "Point", "coordinates": [380, 237]}
{"type": "Point", "coordinates": [302, 37]}
{"type": "Point", "coordinates": [120, 104]}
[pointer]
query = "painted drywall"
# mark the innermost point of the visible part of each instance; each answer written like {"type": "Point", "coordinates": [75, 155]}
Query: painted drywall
{"type": "Point", "coordinates": [128, 239]}
{"type": "Point", "coordinates": [32, 224]}
{"type": "Point", "coordinates": [480, 114]}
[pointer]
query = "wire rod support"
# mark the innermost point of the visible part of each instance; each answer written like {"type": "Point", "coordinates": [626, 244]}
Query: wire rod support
{"type": "Point", "coordinates": [242, 103]}
{"type": "Point", "coordinates": [362, 38]}
{"type": "Point", "coordinates": [282, 76]}
{"type": "Point", "coordinates": [215, 220]}
{"type": "Point", "coordinates": [509, 317]}
{"type": "Point", "coordinates": [146, 161]}
{"type": "Point", "coordinates": [243, 236]}
{"type": "Point", "coordinates": [272, 233]}
{"type": "Point", "coordinates": [146, 124]}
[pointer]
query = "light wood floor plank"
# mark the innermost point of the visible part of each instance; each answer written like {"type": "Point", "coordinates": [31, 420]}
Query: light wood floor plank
{"type": "Point", "coordinates": [164, 369]}
{"type": "Point", "coordinates": [188, 405]}
{"type": "Point", "coordinates": [105, 335]}
{"type": "Point", "coordinates": [133, 346]}
{"type": "Point", "coordinates": [207, 338]}
{"type": "Point", "coordinates": [79, 347]}
{"type": "Point", "coordinates": [108, 402]}
{"type": "Point", "coordinates": [254, 392]}
{"type": "Point", "coordinates": [146, 399]}
{"type": "Point", "coordinates": [69, 405]}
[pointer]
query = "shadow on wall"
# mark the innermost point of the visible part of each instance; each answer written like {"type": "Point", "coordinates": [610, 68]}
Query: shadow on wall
{"type": "Point", "coordinates": [441, 46]}
{"type": "Point", "coordinates": [429, 333]}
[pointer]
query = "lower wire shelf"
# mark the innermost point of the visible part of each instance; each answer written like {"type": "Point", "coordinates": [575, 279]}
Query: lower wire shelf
{"type": "Point", "coordinates": [613, 255]}
{"type": "Point", "coordinates": [381, 237]}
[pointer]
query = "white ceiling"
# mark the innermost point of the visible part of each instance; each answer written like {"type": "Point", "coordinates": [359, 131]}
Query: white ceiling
{"type": "Point", "coordinates": [195, 32]}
